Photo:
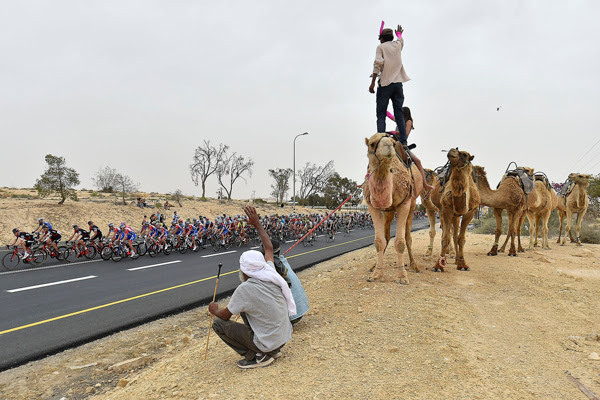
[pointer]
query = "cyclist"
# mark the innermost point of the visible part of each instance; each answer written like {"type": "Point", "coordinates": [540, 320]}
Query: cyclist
{"type": "Point", "coordinates": [79, 236]}
{"type": "Point", "coordinates": [41, 225]}
{"type": "Point", "coordinates": [111, 230]}
{"type": "Point", "coordinates": [96, 233]}
{"type": "Point", "coordinates": [51, 237]}
{"type": "Point", "coordinates": [25, 240]}
{"type": "Point", "coordinates": [128, 235]}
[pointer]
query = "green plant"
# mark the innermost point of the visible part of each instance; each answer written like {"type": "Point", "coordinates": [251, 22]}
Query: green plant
{"type": "Point", "coordinates": [158, 205]}
{"type": "Point", "coordinates": [260, 201]}
{"type": "Point", "coordinates": [590, 233]}
{"type": "Point", "coordinates": [94, 194]}
{"type": "Point", "coordinates": [203, 198]}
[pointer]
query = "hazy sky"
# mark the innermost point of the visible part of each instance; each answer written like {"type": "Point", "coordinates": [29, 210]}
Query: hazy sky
{"type": "Point", "coordinates": [137, 85]}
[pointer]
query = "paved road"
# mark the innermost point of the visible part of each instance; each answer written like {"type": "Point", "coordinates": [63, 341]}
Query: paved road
{"type": "Point", "coordinates": [49, 309]}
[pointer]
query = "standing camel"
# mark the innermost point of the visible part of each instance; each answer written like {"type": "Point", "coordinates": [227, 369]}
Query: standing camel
{"type": "Point", "coordinates": [540, 203]}
{"type": "Point", "coordinates": [576, 201]}
{"type": "Point", "coordinates": [390, 189]}
{"type": "Point", "coordinates": [432, 179]}
{"type": "Point", "coordinates": [510, 197]}
{"type": "Point", "coordinates": [459, 198]}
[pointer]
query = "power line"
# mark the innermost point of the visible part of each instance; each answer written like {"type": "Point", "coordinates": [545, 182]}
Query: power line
{"type": "Point", "coordinates": [589, 161]}
{"type": "Point", "coordinates": [586, 153]}
{"type": "Point", "coordinates": [592, 167]}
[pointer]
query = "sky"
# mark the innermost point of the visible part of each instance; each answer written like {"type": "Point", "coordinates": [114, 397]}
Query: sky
{"type": "Point", "coordinates": [138, 85]}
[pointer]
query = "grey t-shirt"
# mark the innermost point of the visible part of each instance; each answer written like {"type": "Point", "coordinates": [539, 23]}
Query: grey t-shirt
{"type": "Point", "coordinates": [266, 310]}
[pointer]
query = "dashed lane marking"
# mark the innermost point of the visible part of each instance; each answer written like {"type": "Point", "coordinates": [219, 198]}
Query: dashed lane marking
{"type": "Point", "coordinates": [154, 265]}
{"type": "Point", "coordinates": [219, 254]}
{"type": "Point", "coordinates": [51, 284]}
{"type": "Point", "coordinates": [33, 269]}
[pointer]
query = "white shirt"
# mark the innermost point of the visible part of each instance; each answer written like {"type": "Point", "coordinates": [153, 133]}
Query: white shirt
{"type": "Point", "coordinates": [388, 62]}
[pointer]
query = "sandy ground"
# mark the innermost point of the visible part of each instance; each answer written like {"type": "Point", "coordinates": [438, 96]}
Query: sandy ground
{"type": "Point", "coordinates": [508, 329]}
{"type": "Point", "coordinates": [23, 213]}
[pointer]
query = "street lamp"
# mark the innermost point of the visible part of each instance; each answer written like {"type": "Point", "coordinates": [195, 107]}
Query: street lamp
{"type": "Point", "coordinates": [294, 183]}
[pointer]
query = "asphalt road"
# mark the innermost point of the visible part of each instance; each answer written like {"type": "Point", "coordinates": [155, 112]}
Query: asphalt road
{"type": "Point", "coordinates": [48, 309]}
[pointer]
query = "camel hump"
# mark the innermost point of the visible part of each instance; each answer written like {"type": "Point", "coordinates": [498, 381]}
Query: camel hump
{"type": "Point", "coordinates": [525, 179]}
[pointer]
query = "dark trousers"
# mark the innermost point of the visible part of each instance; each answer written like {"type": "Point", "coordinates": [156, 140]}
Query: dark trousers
{"type": "Point", "coordinates": [239, 337]}
{"type": "Point", "coordinates": [394, 92]}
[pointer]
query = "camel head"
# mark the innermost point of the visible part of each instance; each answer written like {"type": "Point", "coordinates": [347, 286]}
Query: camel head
{"type": "Point", "coordinates": [380, 146]}
{"type": "Point", "coordinates": [583, 179]}
{"type": "Point", "coordinates": [459, 158]}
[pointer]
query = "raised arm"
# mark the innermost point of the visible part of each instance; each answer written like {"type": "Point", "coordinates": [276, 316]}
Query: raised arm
{"type": "Point", "coordinates": [255, 222]}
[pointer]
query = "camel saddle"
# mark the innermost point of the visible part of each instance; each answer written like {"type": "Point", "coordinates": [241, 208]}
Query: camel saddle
{"type": "Point", "coordinates": [540, 176]}
{"type": "Point", "coordinates": [527, 182]}
{"type": "Point", "coordinates": [404, 154]}
{"type": "Point", "coordinates": [566, 188]}
{"type": "Point", "coordinates": [443, 174]}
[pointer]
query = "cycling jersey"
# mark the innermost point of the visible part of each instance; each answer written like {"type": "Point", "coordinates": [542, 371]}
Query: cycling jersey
{"type": "Point", "coordinates": [28, 237]}
{"type": "Point", "coordinates": [97, 231]}
{"type": "Point", "coordinates": [85, 235]}
{"type": "Point", "coordinates": [44, 223]}
{"type": "Point", "coordinates": [54, 235]}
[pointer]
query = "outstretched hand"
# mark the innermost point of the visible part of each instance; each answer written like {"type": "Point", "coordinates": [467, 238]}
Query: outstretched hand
{"type": "Point", "coordinates": [252, 215]}
{"type": "Point", "coordinates": [399, 30]}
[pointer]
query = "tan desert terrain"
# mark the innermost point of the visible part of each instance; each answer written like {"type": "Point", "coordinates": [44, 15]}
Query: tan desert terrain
{"type": "Point", "coordinates": [23, 213]}
{"type": "Point", "coordinates": [508, 329]}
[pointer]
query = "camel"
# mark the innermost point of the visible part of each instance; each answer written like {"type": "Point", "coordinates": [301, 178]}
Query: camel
{"type": "Point", "coordinates": [432, 179]}
{"type": "Point", "coordinates": [510, 197]}
{"type": "Point", "coordinates": [459, 198]}
{"type": "Point", "coordinates": [391, 189]}
{"type": "Point", "coordinates": [575, 202]}
{"type": "Point", "coordinates": [540, 204]}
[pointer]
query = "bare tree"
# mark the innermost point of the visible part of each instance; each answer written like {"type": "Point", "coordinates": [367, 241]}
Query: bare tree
{"type": "Point", "coordinates": [313, 179]}
{"type": "Point", "coordinates": [232, 168]}
{"type": "Point", "coordinates": [282, 182]}
{"type": "Point", "coordinates": [125, 185]}
{"type": "Point", "coordinates": [106, 179]}
{"type": "Point", "coordinates": [207, 160]}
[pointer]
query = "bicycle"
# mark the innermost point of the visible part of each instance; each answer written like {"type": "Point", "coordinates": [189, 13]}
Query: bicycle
{"type": "Point", "coordinates": [10, 261]}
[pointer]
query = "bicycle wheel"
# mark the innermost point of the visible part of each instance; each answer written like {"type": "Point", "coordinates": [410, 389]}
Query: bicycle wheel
{"type": "Point", "coordinates": [36, 258]}
{"type": "Point", "coordinates": [183, 247]}
{"type": "Point", "coordinates": [168, 248]}
{"type": "Point", "coordinates": [118, 253]}
{"type": "Point", "coordinates": [106, 253]}
{"type": "Point", "coordinates": [69, 255]}
{"type": "Point", "coordinates": [10, 261]}
{"type": "Point", "coordinates": [153, 250]}
{"type": "Point", "coordinates": [61, 252]}
{"type": "Point", "coordinates": [90, 251]}
{"type": "Point", "coordinates": [141, 248]}
{"type": "Point", "coordinates": [215, 244]}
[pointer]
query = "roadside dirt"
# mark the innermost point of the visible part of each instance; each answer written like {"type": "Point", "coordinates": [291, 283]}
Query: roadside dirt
{"type": "Point", "coordinates": [507, 329]}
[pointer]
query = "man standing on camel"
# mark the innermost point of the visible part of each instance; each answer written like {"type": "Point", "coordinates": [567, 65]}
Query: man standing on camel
{"type": "Point", "coordinates": [388, 66]}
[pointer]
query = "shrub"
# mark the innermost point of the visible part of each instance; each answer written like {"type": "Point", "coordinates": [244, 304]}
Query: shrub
{"type": "Point", "coordinates": [94, 194]}
{"type": "Point", "coordinates": [203, 198]}
{"type": "Point", "coordinates": [590, 233]}
{"type": "Point", "coordinates": [158, 204]}
{"type": "Point", "coordinates": [260, 201]}
{"type": "Point", "coordinates": [487, 224]}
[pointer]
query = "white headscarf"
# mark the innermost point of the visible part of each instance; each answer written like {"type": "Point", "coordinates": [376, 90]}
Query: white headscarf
{"type": "Point", "coordinates": [253, 264]}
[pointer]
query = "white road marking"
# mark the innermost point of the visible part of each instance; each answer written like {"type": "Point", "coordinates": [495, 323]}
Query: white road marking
{"type": "Point", "coordinates": [51, 284]}
{"type": "Point", "coordinates": [33, 269]}
{"type": "Point", "coordinates": [154, 265]}
{"type": "Point", "coordinates": [255, 247]}
{"type": "Point", "coordinates": [219, 254]}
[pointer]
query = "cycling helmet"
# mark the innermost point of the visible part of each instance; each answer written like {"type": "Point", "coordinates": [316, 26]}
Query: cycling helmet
{"type": "Point", "coordinates": [187, 223]}
{"type": "Point", "coordinates": [111, 225]}
{"type": "Point", "coordinates": [40, 219]}
{"type": "Point", "coordinates": [75, 226]}
{"type": "Point", "coordinates": [122, 225]}
{"type": "Point", "coordinates": [15, 230]}
{"type": "Point", "coordinates": [180, 221]}
{"type": "Point", "coordinates": [90, 223]}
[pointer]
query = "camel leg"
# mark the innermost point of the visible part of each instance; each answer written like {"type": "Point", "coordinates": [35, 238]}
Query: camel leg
{"type": "Point", "coordinates": [498, 216]}
{"type": "Point", "coordinates": [512, 216]}
{"type": "Point", "coordinates": [446, 218]}
{"type": "Point", "coordinates": [561, 216]}
{"type": "Point", "coordinates": [538, 221]}
{"type": "Point", "coordinates": [461, 264]}
{"type": "Point", "coordinates": [545, 218]}
{"type": "Point", "coordinates": [379, 242]}
{"type": "Point", "coordinates": [532, 228]}
{"type": "Point", "coordinates": [580, 215]}
{"type": "Point", "coordinates": [408, 237]}
{"type": "Point", "coordinates": [568, 227]}
{"type": "Point", "coordinates": [519, 222]}
{"type": "Point", "coordinates": [455, 226]}
{"type": "Point", "coordinates": [431, 215]}
{"type": "Point", "coordinates": [400, 242]}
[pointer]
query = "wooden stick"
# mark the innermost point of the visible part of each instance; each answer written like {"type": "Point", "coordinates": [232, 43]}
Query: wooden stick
{"type": "Point", "coordinates": [582, 387]}
{"type": "Point", "coordinates": [211, 316]}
